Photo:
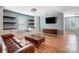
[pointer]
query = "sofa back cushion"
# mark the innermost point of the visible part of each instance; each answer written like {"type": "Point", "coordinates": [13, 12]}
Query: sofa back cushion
{"type": "Point", "coordinates": [7, 36]}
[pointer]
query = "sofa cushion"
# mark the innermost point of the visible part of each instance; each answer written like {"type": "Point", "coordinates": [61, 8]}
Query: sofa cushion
{"type": "Point", "coordinates": [11, 45]}
{"type": "Point", "coordinates": [7, 36]}
{"type": "Point", "coordinates": [21, 43]}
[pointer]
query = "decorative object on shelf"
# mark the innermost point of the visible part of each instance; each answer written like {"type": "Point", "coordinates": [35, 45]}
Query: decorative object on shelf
{"type": "Point", "coordinates": [29, 29]}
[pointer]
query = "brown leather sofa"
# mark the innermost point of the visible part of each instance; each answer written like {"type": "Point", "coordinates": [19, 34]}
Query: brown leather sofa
{"type": "Point", "coordinates": [13, 46]}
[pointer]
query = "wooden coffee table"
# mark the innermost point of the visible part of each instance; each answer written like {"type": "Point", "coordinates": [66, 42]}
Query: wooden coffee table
{"type": "Point", "coordinates": [35, 39]}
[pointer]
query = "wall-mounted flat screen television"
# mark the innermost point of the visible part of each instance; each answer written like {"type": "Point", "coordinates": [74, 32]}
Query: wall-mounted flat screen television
{"type": "Point", "coordinates": [50, 20]}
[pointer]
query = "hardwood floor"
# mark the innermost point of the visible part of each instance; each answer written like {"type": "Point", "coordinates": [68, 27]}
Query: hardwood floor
{"type": "Point", "coordinates": [58, 44]}
{"type": "Point", "coordinates": [52, 44]}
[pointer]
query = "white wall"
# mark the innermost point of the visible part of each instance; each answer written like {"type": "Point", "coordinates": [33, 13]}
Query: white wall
{"type": "Point", "coordinates": [1, 18]}
{"type": "Point", "coordinates": [1, 24]}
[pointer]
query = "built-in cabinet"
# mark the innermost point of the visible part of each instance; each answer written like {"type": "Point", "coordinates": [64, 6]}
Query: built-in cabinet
{"type": "Point", "coordinates": [9, 22]}
{"type": "Point", "coordinates": [13, 20]}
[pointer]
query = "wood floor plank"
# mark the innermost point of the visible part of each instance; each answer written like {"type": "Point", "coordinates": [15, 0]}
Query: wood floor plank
{"type": "Point", "coordinates": [56, 44]}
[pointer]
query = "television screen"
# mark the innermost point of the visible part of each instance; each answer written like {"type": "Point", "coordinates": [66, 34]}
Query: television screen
{"type": "Point", "coordinates": [51, 20]}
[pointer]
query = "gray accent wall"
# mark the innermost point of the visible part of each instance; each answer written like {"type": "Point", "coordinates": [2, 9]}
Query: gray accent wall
{"type": "Point", "coordinates": [37, 23]}
{"type": "Point", "coordinates": [58, 25]}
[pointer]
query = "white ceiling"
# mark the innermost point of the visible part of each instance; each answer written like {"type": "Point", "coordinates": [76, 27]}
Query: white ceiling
{"type": "Point", "coordinates": [44, 10]}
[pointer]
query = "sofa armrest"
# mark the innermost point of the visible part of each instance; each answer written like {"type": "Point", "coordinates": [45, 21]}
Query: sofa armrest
{"type": "Point", "coordinates": [27, 49]}
{"type": "Point", "coordinates": [4, 48]}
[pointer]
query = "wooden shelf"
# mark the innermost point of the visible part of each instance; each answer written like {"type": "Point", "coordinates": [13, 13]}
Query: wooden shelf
{"type": "Point", "coordinates": [32, 27]}
{"type": "Point", "coordinates": [9, 17]}
{"type": "Point", "coordinates": [31, 20]}
{"type": "Point", "coordinates": [8, 28]}
{"type": "Point", "coordinates": [31, 23]}
{"type": "Point", "coordinates": [9, 22]}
